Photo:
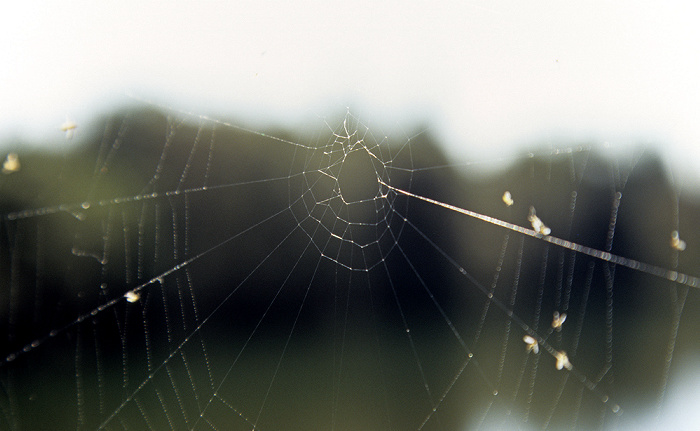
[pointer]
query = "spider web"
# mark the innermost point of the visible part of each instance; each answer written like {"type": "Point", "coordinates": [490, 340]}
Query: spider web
{"type": "Point", "coordinates": [189, 273]}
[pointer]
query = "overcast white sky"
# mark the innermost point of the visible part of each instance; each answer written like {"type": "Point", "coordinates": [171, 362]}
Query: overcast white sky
{"type": "Point", "coordinates": [487, 74]}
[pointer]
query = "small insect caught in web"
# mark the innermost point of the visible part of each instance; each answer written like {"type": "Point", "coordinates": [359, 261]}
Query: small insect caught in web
{"type": "Point", "coordinates": [676, 242]}
{"type": "Point", "coordinates": [507, 198]}
{"type": "Point", "coordinates": [558, 320]}
{"type": "Point", "coordinates": [11, 164]}
{"type": "Point", "coordinates": [537, 224]}
{"type": "Point", "coordinates": [562, 361]}
{"type": "Point", "coordinates": [69, 127]}
{"type": "Point", "coordinates": [531, 344]}
{"type": "Point", "coordinates": [132, 296]}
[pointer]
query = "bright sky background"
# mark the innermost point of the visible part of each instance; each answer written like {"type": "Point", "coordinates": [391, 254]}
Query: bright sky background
{"type": "Point", "coordinates": [486, 74]}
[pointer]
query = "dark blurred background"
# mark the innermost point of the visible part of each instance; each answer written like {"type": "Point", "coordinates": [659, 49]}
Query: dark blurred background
{"type": "Point", "coordinates": [231, 224]}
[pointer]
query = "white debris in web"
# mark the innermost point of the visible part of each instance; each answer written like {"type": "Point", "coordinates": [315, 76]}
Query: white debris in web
{"type": "Point", "coordinates": [132, 296]}
{"type": "Point", "coordinates": [537, 224]}
{"type": "Point", "coordinates": [558, 320]}
{"type": "Point", "coordinates": [507, 198]}
{"type": "Point", "coordinates": [562, 361]}
{"type": "Point", "coordinates": [11, 164]}
{"type": "Point", "coordinates": [532, 345]}
{"type": "Point", "coordinates": [676, 242]}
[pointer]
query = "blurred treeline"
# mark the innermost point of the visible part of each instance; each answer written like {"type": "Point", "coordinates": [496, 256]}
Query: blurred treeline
{"type": "Point", "coordinates": [62, 265]}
